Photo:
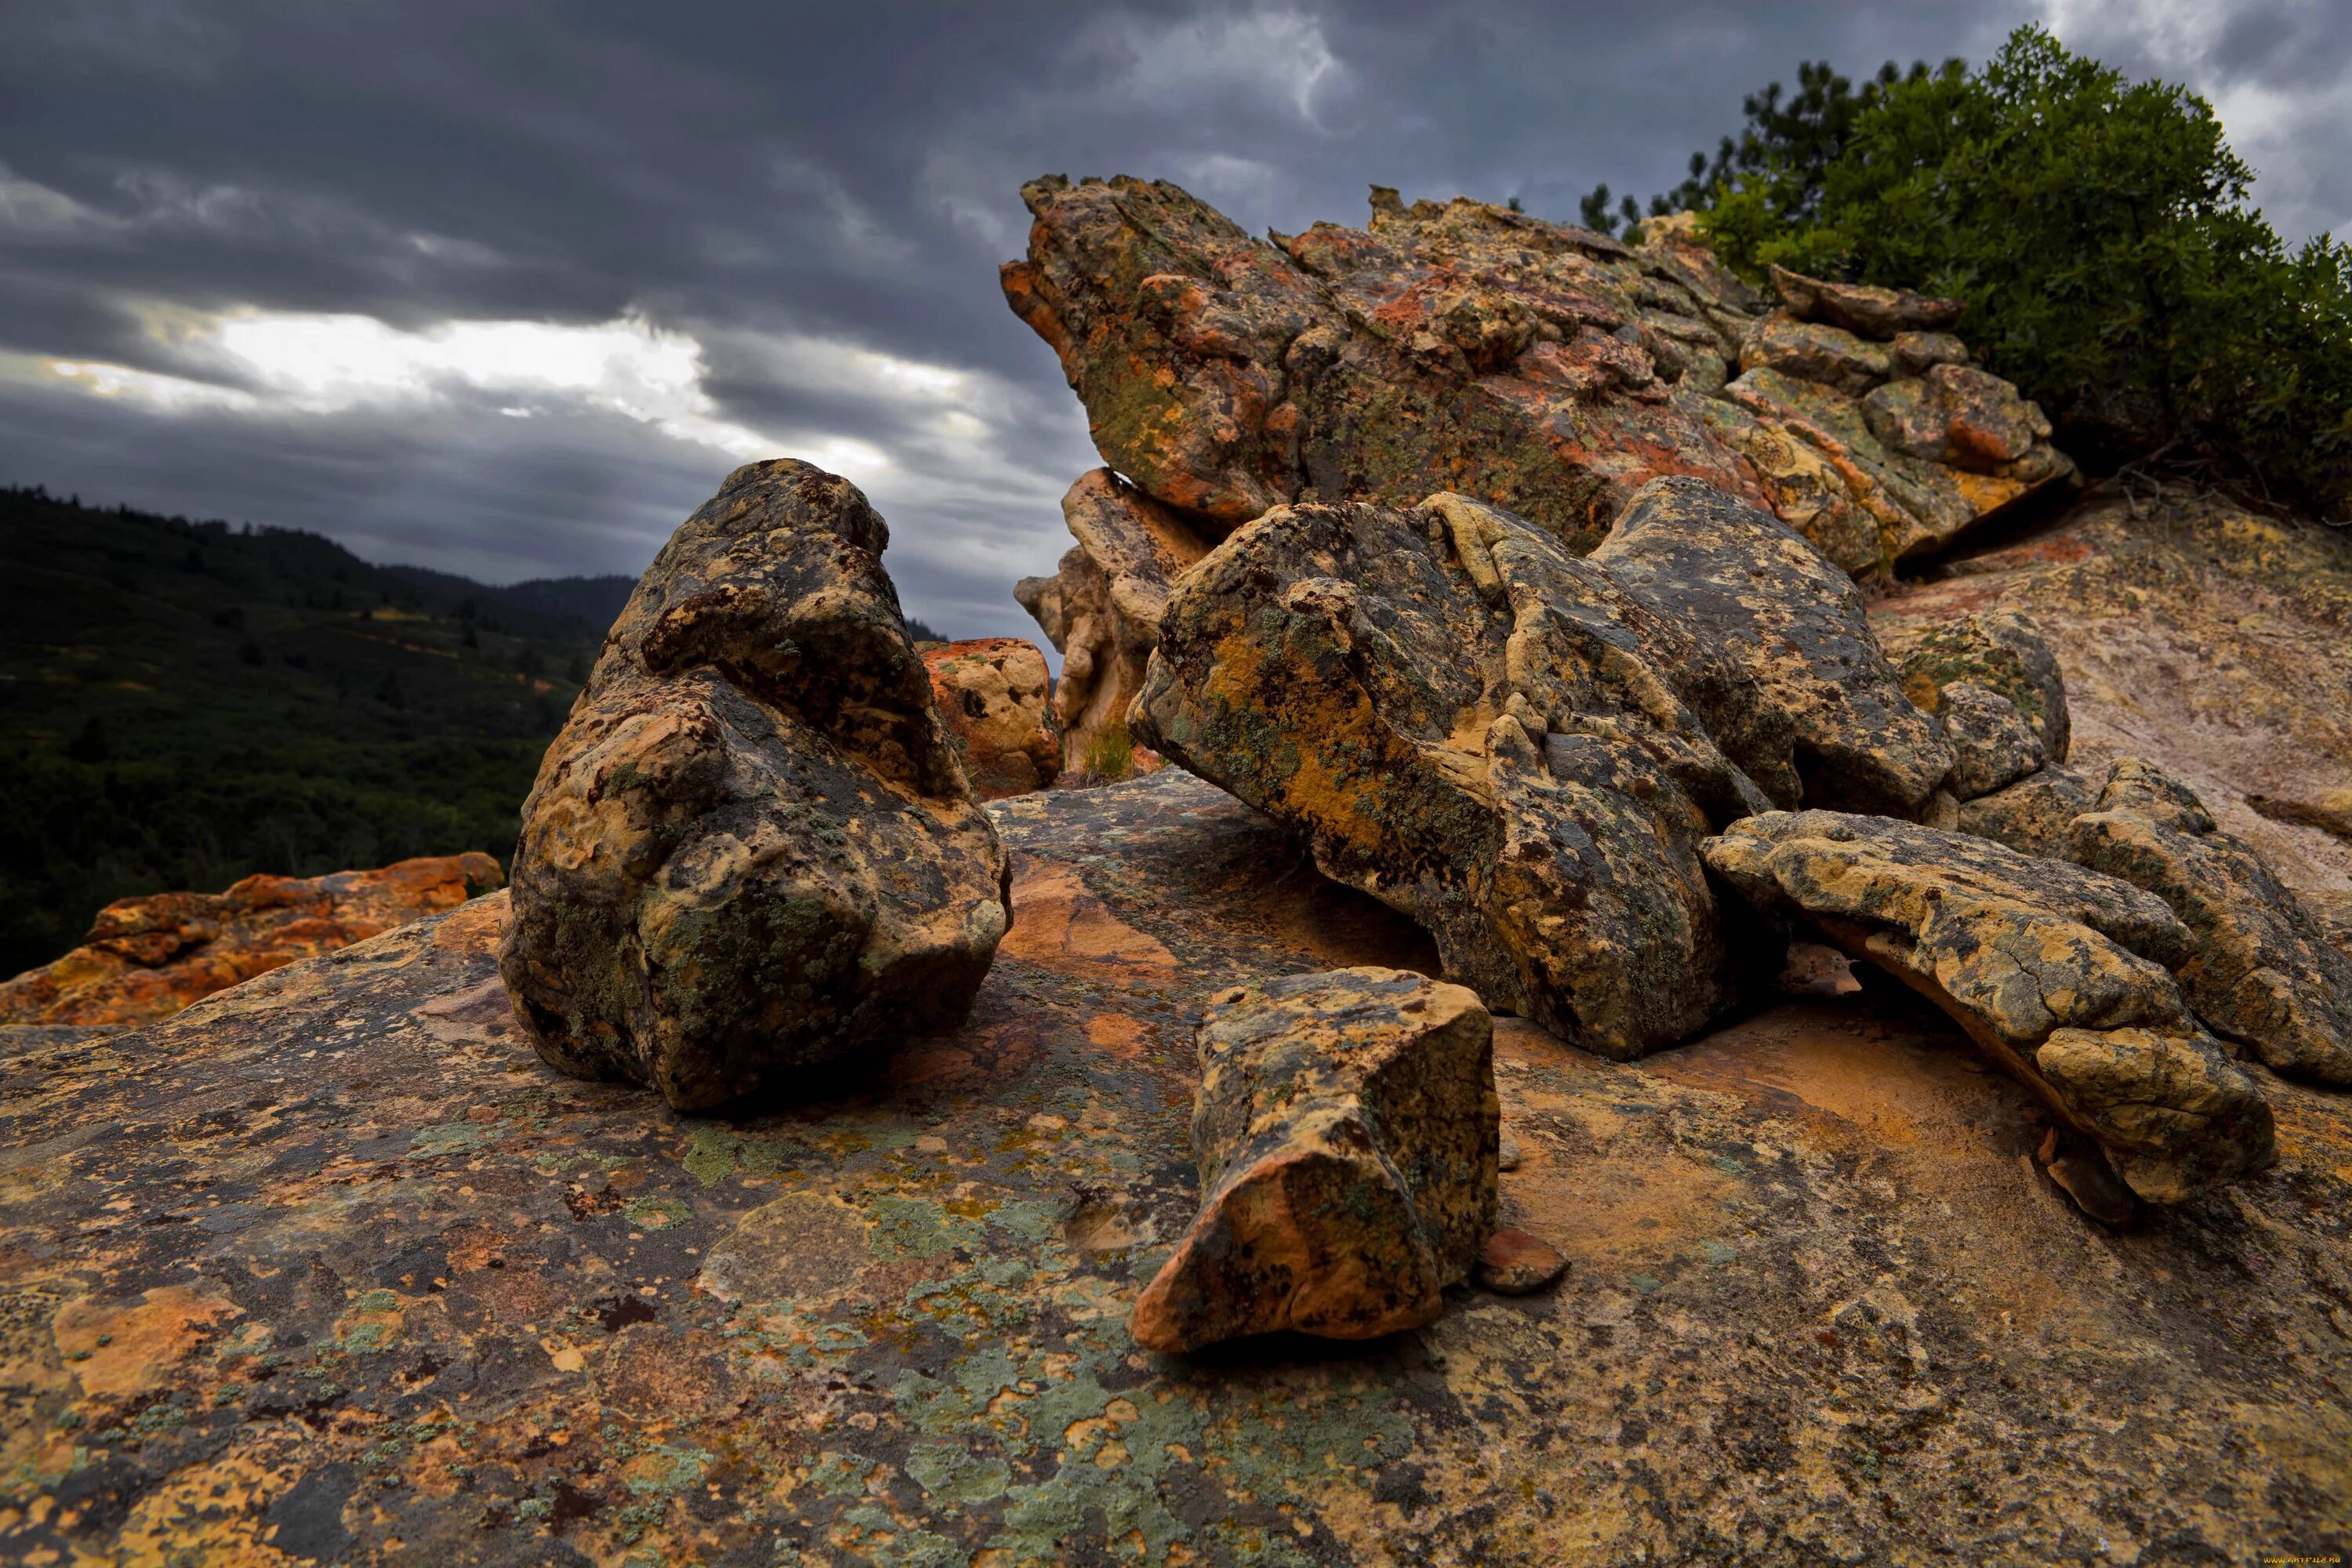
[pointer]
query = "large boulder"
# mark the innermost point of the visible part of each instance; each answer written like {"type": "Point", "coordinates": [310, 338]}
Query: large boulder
{"type": "Point", "coordinates": [1346, 1127]}
{"type": "Point", "coordinates": [1481, 731]}
{"type": "Point", "coordinates": [2260, 970]}
{"type": "Point", "coordinates": [1462, 346]}
{"type": "Point", "coordinates": [991, 694]}
{"type": "Point", "coordinates": [1102, 609]}
{"type": "Point", "coordinates": [753, 849]}
{"type": "Point", "coordinates": [1821, 717]}
{"type": "Point", "coordinates": [1993, 679]}
{"type": "Point", "coordinates": [146, 958]}
{"type": "Point", "coordinates": [2060, 975]}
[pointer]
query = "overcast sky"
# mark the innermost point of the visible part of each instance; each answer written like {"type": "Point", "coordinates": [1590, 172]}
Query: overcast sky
{"type": "Point", "coordinates": [506, 289]}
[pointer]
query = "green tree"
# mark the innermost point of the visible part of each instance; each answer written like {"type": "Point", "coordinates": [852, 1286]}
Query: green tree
{"type": "Point", "coordinates": [2102, 233]}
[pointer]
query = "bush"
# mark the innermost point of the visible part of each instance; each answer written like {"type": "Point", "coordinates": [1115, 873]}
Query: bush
{"type": "Point", "coordinates": [2101, 232]}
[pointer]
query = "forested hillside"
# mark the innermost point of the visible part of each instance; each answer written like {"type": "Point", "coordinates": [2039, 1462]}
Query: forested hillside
{"type": "Point", "coordinates": [184, 703]}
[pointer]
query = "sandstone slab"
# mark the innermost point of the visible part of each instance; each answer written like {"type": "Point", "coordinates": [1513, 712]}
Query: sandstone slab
{"type": "Point", "coordinates": [752, 848]}
{"type": "Point", "coordinates": [1863, 309]}
{"type": "Point", "coordinates": [1481, 731]}
{"type": "Point", "coordinates": [992, 695]}
{"type": "Point", "coordinates": [2061, 974]}
{"type": "Point", "coordinates": [433, 1293]}
{"type": "Point", "coordinates": [1347, 1130]}
{"type": "Point", "coordinates": [146, 958]}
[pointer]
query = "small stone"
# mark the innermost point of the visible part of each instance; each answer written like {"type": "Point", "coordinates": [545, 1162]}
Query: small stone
{"type": "Point", "coordinates": [1514, 1263]}
{"type": "Point", "coordinates": [2082, 1173]}
{"type": "Point", "coordinates": [1506, 1157]}
{"type": "Point", "coordinates": [1346, 1126]}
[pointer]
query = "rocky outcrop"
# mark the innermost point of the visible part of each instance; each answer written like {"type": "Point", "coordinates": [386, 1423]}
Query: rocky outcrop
{"type": "Point", "coordinates": [1102, 611]}
{"type": "Point", "coordinates": [1347, 1127]}
{"type": "Point", "coordinates": [1480, 729]}
{"type": "Point", "coordinates": [1539, 366]}
{"type": "Point", "coordinates": [2260, 969]}
{"type": "Point", "coordinates": [752, 849]}
{"type": "Point", "coordinates": [1994, 682]}
{"type": "Point", "coordinates": [432, 1293]}
{"type": "Point", "coordinates": [2058, 973]}
{"type": "Point", "coordinates": [1787, 674]}
{"type": "Point", "coordinates": [992, 695]}
{"type": "Point", "coordinates": [146, 958]}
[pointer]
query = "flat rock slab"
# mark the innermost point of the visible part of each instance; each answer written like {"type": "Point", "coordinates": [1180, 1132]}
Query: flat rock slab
{"type": "Point", "coordinates": [333, 1260]}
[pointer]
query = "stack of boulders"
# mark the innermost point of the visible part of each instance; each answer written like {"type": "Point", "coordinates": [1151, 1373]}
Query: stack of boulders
{"type": "Point", "coordinates": [1466, 347]}
{"type": "Point", "coordinates": [1515, 570]}
{"type": "Point", "coordinates": [147, 958]}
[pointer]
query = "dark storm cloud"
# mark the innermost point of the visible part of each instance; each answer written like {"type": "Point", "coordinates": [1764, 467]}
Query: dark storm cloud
{"type": "Point", "coordinates": [817, 198]}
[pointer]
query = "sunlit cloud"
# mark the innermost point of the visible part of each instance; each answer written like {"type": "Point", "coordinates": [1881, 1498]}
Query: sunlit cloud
{"type": "Point", "coordinates": [281, 362]}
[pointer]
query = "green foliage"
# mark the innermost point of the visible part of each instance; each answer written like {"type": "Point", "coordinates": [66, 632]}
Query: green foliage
{"type": "Point", "coordinates": [2099, 230]}
{"type": "Point", "coordinates": [183, 704]}
{"type": "Point", "coordinates": [1779, 161]}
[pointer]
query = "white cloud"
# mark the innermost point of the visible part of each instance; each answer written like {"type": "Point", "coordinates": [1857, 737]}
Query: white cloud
{"type": "Point", "coordinates": [1277, 54]}
{"type": "Point", "coordinates": [30, 211]}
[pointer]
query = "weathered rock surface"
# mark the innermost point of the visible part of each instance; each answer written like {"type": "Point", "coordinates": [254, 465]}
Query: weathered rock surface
{"type": "Point", "coordinates": [1862, 308]}
{"type": "Point", "coordinates": [2034, 814]}
{"type": "Point", "coordinates": [1994, 682]}
{"type": "Point", "coordinates": [2058, 973]}
{"type": "Point", "coordinates": [1481, 731]}
{"type": "Point", "coordinates": [1346, 1130]}
{"type": "Point", "coordinates": [146, 958]}
{"type": "Point", "coordinates": [753, 849]}
{"type": "Point", "coordinates": [2260, 970]}
{"type": "Point", "coordinates": [2192, 633]}
{"type": "Point", "coordinates": [1808, 704]}
{"type": "Point", "coordinates": [1820, 1307]}
{"type": "Point", "coordinates": [1468, 348]}
{"type": "Point", "coordinates": [992, 695]}
{"type": "Point", "coordinates": [1102, 610]}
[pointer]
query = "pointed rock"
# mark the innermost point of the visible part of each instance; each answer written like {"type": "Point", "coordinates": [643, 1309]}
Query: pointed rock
{"type": "Point", "coordinates": [752, 848]}
{"type": "Point", "coordinates": [1345, 1126]}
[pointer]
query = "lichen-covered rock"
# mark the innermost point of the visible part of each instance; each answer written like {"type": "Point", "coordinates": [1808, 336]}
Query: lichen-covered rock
{"type": "Point", "coordinates": [1466, 347]}
{"type": "Point", "coordinates": [1993, 679]}
{"type": "Point", "coordinates": [1957, 415]}
{"type": "Point", "coordinates": [1816, 352]}
{"type": "Point", "coordinates": [1102, 609]}
{"type": "Point", "coordinates": [2033, 815]}
{"type": "Point", "coordinates": [752, 848]}
{"type": "Point", "coordinates": [2058, 973]}
{"type": "Point", "coordinates": [992, 695]}
{"type": "Point", "coordinates": [1346, 1125]}
{"type": "Point", "coordinates": [146, 958]}
{"type": "Point", "coordinates": [1822, 718]}
{"type": "Point", "coordinates": [2262, 970]}
{"type": "Point", "coordinates": [1479, 729]}
{"type": "Point", "coordinates": [1863, 309]}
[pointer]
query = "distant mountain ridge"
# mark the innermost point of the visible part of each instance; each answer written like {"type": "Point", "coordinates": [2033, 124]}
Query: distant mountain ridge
{"type": "Point", "coordinates": [187, 702]}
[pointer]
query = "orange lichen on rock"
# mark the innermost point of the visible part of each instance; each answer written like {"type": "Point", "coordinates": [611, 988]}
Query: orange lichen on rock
{"type": "Point", "coordinates": [992, 693]}
{"type": "Point", "coordinates": [146, 958]}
